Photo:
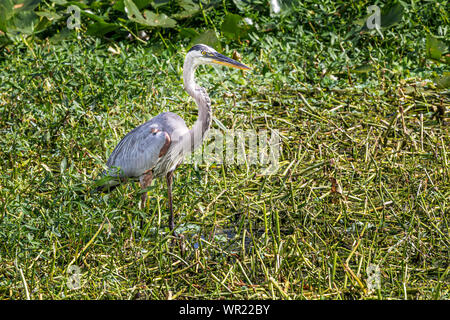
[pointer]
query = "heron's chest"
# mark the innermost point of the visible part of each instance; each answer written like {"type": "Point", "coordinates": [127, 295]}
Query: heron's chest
{"type": "Point", "coordinates": [166, 164]}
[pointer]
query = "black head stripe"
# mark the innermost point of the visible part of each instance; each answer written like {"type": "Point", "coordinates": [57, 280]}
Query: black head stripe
{"type": "Point", "coordinates": [198, 47]}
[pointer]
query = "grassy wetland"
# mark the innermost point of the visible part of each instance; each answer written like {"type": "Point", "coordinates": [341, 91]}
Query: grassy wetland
{"type": "Point", "coordinates": [358, 207]}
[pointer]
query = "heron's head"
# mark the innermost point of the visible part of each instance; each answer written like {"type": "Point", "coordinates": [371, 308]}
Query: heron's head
{"type": "Point", "coordinates": [202, 54]}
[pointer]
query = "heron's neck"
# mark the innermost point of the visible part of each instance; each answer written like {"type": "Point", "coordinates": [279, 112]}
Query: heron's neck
{"type": "Point", "coordinates": [203, 123]}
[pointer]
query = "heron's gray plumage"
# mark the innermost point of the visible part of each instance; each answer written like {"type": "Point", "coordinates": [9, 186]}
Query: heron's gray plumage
{"type": "Point", "coordinates": [139, 150]}
{"type": "Point", "coordinates": [157, 147]}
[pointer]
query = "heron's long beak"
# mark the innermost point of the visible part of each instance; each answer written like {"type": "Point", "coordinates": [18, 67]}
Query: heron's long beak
{"type": "Point", "coordinates": [223, 60]}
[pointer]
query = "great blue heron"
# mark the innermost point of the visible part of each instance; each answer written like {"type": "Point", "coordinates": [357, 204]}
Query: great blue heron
{"type": "Point", "coordinates": [157, 147]}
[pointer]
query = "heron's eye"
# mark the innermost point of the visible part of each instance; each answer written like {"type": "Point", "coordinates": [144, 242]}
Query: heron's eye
{"type": "Point", "coordinates": [203, 52]}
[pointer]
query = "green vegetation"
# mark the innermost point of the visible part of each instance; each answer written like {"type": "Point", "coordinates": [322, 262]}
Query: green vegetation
{"type": "Point", "coordinates": [364, 170]}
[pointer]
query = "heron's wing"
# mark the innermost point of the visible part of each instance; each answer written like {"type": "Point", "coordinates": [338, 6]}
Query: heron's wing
{"type": "Point", "coordinates": [138, 151]}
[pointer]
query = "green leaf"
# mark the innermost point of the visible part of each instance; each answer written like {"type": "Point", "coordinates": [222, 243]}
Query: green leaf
{"type": "Point", "coordinates": [189, 33]}
{"type": "Point", "coordinates": [92, 16]}
{"type": "Point", "coordinates": [149, 19]}
{"type": "Point", "coordinates": [233, 27]}
{"type": "Point", "coordinates": [101, 28]}
{"type": "Point", "coordinates": [119, 6]}
{"type": "Point", "coordinates": [443, 82]}
{"type": "Point", "coordinates": [434, 48]}
{"type": "Point", "coordinates": [242, 5]}
{"type": "Point", "coordinates": [62, 35]}
{"type": "Point", "coordinates": [23, 22]}
{"type": "Point", "coordinates": [209, 38]}
{"type": "Point", "coordinates": [6, 13]}
{"type": "Point", "coordinates": [392, 16]}
{"type": "Point", "coordinates": [25, 5]}
{"type": "Point", "coordinates": [42, 25]}
{"type": "Point", "coordinates": [17, 18]}
{"type": "Point", "coordinates": [49, 15]}
{"type": "Point", "coordinates": [158, 20]}
{"type": "Point", "coordinates": [189, 9]}
{"type": "Point", "coordinates": [231, 23]}
{"type": "Point", "coordinates": [133, 12]}
{"type": "Point", "coordinates": [140, 4]}
{"type": "Point", "coordinates": [159, 3]}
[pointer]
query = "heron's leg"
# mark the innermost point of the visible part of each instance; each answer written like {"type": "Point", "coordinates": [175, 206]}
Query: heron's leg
{"type": "Point", "coordinates": [145, 180]}
{"type": "Point", "coordinates": [169, 178]}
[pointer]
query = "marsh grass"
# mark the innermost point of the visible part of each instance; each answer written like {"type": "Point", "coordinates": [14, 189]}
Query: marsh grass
{"type": "Point", "coordinates": [363, 178]}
